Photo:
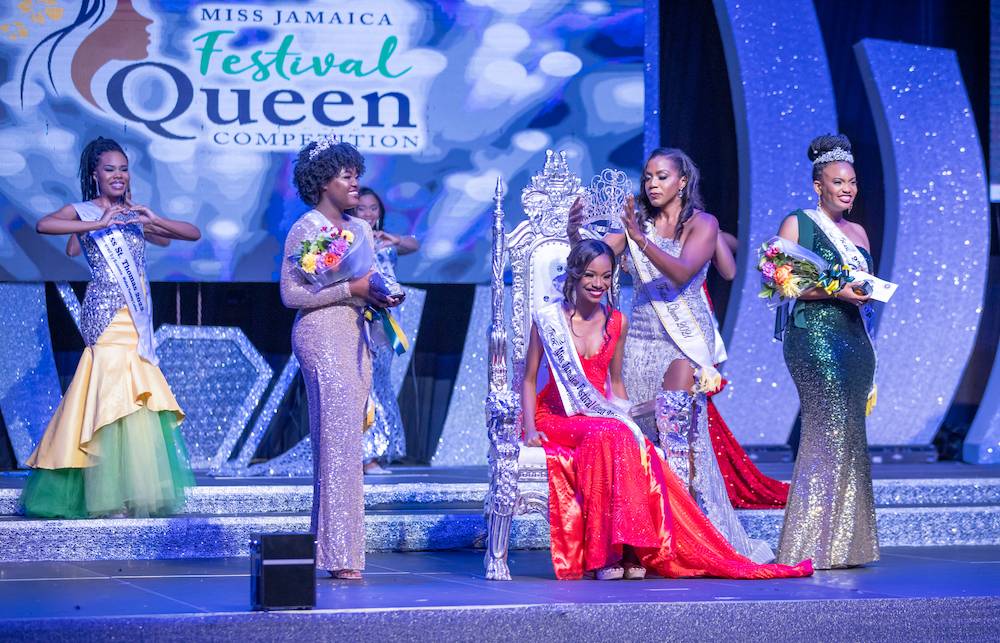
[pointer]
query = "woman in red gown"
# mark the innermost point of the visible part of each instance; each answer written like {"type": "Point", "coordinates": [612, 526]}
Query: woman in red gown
{"type": "Point", "coordinates": [612, 510]}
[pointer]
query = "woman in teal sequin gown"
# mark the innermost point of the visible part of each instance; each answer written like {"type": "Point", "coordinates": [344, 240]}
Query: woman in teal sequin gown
{"type": "Point", "coordinates": [830, 516]}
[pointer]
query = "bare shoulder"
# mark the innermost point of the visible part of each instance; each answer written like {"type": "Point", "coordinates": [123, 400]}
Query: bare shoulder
{"type": "Point", "coordinates": [789, 228]}
{"type": "Point", "coordinates": [706, 219]}
{"type": "Point", "coordinates": [859, 229]}
{"type": "Point", "coordinates": [66, 212]}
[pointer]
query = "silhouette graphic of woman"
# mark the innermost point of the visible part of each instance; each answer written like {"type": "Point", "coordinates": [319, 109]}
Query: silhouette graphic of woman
{"type": "Point", "coordinates": [122, 36]}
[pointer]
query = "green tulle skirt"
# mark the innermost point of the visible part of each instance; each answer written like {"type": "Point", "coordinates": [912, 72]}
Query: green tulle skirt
{"type": "Point", "coordinates": [142, 470]}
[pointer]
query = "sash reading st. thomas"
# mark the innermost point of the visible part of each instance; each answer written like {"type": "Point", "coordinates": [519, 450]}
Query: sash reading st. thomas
{"type": "Point", "coordinates": [678, 320]}
{"type": "Point", "coordinates": [851, 256]}
{"type": "Point", "coordinates": [129, 274]}
{"type": "Point", "coordinates": [578, 395]}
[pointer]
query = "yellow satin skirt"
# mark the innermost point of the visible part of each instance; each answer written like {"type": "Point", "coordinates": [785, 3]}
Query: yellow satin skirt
{"type": "Point", "coordinates": [111, 383]}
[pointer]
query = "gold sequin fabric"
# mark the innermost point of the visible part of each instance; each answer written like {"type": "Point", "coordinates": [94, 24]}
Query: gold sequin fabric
{"type": "Point", "coordinates": [830, 516]}
{"type": "Point", "coordinates": [328, 341]}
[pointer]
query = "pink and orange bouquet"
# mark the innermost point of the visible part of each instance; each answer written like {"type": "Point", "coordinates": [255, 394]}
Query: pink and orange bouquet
{"type": "Point", "coordinates": [327, 259]}
{"type": "Point", "coordinates": [783, 275]}
{"type": "Point", "coordinates": [787, 270]}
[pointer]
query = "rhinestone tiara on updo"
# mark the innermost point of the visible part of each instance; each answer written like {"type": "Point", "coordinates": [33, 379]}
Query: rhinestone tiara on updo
{"type": "Point", "coordinates": [321, 145]}
{"type": "Point", "coordinates": [836, 154]}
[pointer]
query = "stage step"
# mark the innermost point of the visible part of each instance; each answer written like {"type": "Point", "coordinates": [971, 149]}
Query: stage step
{"type": "Point", "coordinates": [194, 536]}
{"type": "Point", "coordinates": [262, 496]}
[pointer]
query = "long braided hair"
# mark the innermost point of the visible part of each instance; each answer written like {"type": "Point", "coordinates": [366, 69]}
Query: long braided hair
{"type": "Point", "coordinates": [576, 264]}
{"type": "Point", "coordinates": [691, 196]}
{"type": "Point", "coordinates": [88, 163]}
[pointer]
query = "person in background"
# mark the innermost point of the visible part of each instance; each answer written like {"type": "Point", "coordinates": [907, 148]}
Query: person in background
{"type": "Point", "coordinates": [385, 440]}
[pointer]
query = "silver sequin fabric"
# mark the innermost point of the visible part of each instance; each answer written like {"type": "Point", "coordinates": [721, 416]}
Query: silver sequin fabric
{"type": "Point", "coordinates": [648, 348]}
{"type": "Point", "coordinates": [385, 440]}
{"type": "Point", "coordinates": [830, 516]}
{"type": "Point", "coordinates": [104, 298]}
{"type": "Point", "coordinates": [648, 352]}
{"type": "Point", "coordinates": [328, 341]}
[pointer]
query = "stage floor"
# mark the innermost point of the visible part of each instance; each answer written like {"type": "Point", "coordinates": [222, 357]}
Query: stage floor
{"type": "Point", "coordinates": [165, 599]}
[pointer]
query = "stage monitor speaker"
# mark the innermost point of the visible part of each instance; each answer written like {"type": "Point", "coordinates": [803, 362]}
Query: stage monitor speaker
{"type": "Point", "coordinates": [283, 571]}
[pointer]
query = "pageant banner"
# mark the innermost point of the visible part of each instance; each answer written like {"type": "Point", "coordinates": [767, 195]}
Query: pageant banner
{"type": "Point", "coordinates": [212, 100]}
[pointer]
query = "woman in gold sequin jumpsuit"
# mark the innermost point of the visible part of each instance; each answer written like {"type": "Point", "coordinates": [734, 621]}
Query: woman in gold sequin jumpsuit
{"type": "Point", "coordinates": [328, 341]}
{"type": "Point", "coordinates": [830, 516]}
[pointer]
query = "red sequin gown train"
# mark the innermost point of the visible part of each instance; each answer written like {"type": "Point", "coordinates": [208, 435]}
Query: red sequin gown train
{"type": "Point", "coordinates": [602, 498]}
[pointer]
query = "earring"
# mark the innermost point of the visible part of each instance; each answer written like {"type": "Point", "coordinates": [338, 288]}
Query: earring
{"type": "Point", "coordinates": [680, 193]}
{"type": "Point", "coordinates": [97, 186]}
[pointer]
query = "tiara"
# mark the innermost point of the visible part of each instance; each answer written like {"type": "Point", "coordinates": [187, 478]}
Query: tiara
{"type": "Point", "coordinates": [836, 154]}
{"type": "Point", "coordinates": [322, 145]}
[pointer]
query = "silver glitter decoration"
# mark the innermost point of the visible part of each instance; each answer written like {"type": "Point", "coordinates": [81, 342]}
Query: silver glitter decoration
{"type": "Point", "coordinates": [71, 301]}
{"type": "Point", "coordinates": [295, 462]}
{"type": "Point", "coordinates": [782, 98]}
{"type": "Point", "coordinates": [651, 76]}
{"type": "Point", "coordinates": [239, 465]}
{"type": "Point", "coordinates": [420, 530]}
{"type": "Point", "coordinates": [935, 180]}
{"type": "Point", "coordinates": [408, 314]}
{"type": "Point", "coordinates": [982, 442]}
{"type": "Point", "coordinates": [463, 439]}
{"type": "Point", "coordinates": [266, 498]}
{"type": "Point", "coordinates": [218, 378]}
{"type": "Point", "coordinates": [29, 383]}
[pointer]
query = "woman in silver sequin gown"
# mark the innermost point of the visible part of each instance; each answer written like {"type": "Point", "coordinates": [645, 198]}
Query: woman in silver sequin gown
{"type": "Point", "coordinates": [680, 240]}
{"type": "Point", "coordinates": [385, 440]}
{"type": "Point", "coordinates": [328, 341]}
{"type": "Point", "coordinates": [831, 507]}
{"type": "Point", "coordinates": [112, 446]}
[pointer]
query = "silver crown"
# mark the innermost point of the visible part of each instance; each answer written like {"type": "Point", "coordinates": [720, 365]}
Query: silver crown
{"type": "Point", "coordinates": [836, 154]}
{"type": "Point", "coordinates": [322, 145]}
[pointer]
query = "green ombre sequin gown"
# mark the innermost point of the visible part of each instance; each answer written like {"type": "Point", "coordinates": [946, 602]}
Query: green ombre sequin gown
{"type": "Point", "coordinates": [830, 516]}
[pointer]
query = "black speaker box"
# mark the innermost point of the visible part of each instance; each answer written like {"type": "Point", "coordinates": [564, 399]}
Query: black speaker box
{"type": "Point", "coordinates": [283, 572]}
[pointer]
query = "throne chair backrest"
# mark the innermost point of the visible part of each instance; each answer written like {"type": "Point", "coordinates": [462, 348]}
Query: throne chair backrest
{"type": "Point", "coordinates": [538, 248]}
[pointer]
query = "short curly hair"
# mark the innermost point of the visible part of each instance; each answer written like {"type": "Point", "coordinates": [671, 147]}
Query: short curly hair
{"type": "Point", "coordinates": [313, 171]}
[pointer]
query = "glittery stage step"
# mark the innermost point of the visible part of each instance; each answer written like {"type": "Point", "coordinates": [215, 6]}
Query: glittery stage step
{"type": "Point", "coordinates": [269, 498]}
{"type": "Point", "coordinates": [412, 530]}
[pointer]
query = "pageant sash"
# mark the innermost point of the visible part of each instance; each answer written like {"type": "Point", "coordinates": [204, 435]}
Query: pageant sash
{"type": "Point", "coordinates": [129, 274]}
{"type": "Point", "coordinates": [678, 320]}
{"type": "Point", "coordinates": [578, 395]}
{"type": "Point", "coordinates": [851, 256]}
{"type": "Point", "coordinates": [720, 347]}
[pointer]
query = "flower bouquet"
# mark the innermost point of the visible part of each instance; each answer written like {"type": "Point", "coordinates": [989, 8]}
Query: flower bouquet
{"type": "Point", "coordinates": [787, 270]}
{"type": "Point", "coordinates": [332, 257]}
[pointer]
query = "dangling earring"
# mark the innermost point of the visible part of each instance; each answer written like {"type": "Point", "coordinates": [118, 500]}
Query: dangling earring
{"type": "Point", "coordinates": [680, 193]}
{"type": "Point", "coordinates": [97, 186]}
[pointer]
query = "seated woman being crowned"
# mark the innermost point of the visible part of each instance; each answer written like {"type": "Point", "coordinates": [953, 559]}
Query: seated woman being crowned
{"type": "Point", "coordinates": [616, 509]}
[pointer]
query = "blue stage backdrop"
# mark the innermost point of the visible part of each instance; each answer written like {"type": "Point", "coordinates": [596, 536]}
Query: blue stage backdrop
{"type": "Point", "coordinates": [212, 100]}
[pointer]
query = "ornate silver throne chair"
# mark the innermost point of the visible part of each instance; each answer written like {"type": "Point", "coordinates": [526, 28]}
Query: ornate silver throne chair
{"type": "Point", "coordinates": [537, 249]}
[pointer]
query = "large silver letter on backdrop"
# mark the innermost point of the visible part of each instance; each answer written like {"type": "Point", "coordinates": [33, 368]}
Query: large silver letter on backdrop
{"type": "Point", "coordinates": [782, 98]}
{"type": "Point", "coordinates": [937, 234]}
